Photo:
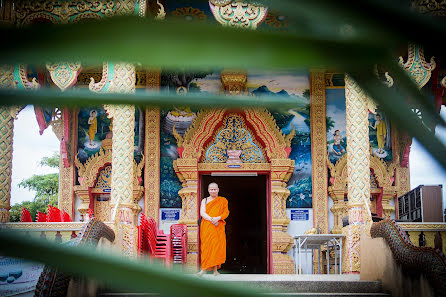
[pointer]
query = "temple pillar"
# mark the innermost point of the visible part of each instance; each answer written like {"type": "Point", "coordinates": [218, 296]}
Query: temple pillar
{"type": "Point", "coordinates": [7, 116]}
{"type": "Point", "coordinates": [66, 169]}
{"type": "Point", "coordinates": [123, 117]}
{"type": "Point", "coordinates": [187, 171]}
{"type": "Point", "coordinates": [388, 209]}
{"type": "Point", "coordinates": [319, 150]}
{"type": "Point", "coordinates": [339, 210]}
{"type": "Point", "coordinates": [358, 168]}
{"type": "Point", "coordinates": [281, 170]}
{"type": "Point", "coordinates": [152, 151]}
{"type": "Point", "coordinates": [6, 136]}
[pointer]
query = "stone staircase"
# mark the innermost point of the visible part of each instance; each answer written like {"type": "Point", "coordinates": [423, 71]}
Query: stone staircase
{"type": "Point", "coordinates": [291, 285]}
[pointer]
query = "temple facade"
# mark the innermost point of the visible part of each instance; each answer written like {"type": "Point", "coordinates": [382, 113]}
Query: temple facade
{"type": "Point", "coordinates": [332, 158]}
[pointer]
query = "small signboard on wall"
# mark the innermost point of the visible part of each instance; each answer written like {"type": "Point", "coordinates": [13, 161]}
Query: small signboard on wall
{"type": "Point", "coordinates": [170, 214]}
{"type": "Point", "coordinates": [300, 214]}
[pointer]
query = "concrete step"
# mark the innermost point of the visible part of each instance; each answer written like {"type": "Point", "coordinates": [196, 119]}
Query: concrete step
{"type": "Point", "coordinates": [265, 294]}
{"type": "Point", "coordinates": [310, 283]}
{"type": "Point", "coordinates": [290, 285]}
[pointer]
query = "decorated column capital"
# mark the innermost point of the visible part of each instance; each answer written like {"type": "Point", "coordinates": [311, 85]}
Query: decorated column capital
{"type": "Point", "coordinates": [64, 74]}
{"type": "Point", "coordinates": [238, 13]}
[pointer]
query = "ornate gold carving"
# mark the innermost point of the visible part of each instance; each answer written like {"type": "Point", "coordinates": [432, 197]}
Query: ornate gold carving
{"type": "Point", "coordinates": [125, 7]}
{"type": "Point", "coordinates": [7, 77]}
{"type": "Point", "coordinates": [319, 150]}
{"type": "Point", "coordinates": [88, 172]}
{"type": "Point", "coordinates": [152, 166]}
{"type": "Point", "coordinates": [161, 13]}
{"type": "Point", "coordinates": [64, 74]}
{"type": "Point", "coordinates": [99, 86]}
{"type": "Point", "coordinates": [430, 7]}
{"type": "Point", "coordinates": [66, 175]}
{"type": "Point", "coordinates": [6, 137]}
{"type": "Point", "coordinates": [417, 66]}
{"type": "Point", "coordinates": [268, 134]}
{"type": "Point", "coordinates": [233, 135]}
{"type": "Point", "coordinates": [102, 210]}
{"type": "Point", "coordinates": [50, 226]}
{"type": "Point", "coordinates": [283, 264]}
{"type": "Point", "coordinates": [122, 157]}
{"type": "Point", "coordinates": [423, 226]}
{"type": "Point", "coordinates": [239, 13]}
{"type": "Point", "coordinates": [243, 167]}
{"type": "Point", "coordinates": [61, 11]}
{"type": "Point", "coordinates": [234, 81]}
{"type": "Point", "coordinates": [358, 170]}
{"type": "Point", "coordinates": [351, 249]}
{"type": "Point", "coordinates": [289, 137]}
{"type": "Point", "coordinates": [358, 152]}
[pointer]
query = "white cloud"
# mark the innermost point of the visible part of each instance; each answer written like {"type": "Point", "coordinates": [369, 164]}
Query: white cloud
{"type": "Point", "coordinates": [424, 170]}
{"type": "Point", "coordinates": [29, 147]}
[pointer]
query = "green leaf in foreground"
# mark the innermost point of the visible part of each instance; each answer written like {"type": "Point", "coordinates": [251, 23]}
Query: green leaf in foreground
{"type": "Point", "coordinates": [52, 97]}
{"type": "Point", "coordinates": [125, 274]}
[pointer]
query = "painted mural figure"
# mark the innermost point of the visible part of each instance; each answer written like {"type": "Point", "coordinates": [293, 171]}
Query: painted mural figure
{"type": "Point", "coordinates": [214, 211]}
{"type": "Point", "coordinates": [93, 128]}
{"type": "Point", "coordinates": [380, 127]}
{"type": "Point", "coordinates": [338, 149]}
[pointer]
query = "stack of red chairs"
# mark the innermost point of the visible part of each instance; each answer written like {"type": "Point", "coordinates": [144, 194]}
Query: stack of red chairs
{"type": "Point", "coordinates": [53, 214]}
{"type": "Point", "coordinates": [178, 235]}
{"type": "Point", "coordinates": [26, 216]}
{"type": "Point", "coordinates": [41, 217]}
{"type": "Point", "coordinates": [153, 241]}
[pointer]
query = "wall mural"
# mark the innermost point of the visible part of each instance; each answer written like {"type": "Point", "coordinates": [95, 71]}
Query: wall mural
{"type": "Point", "coordinates": [336, 125]}
{"type": "Point", "coordinates": [295, 85]}
{"type": "Point", "coordinates": [94, 126]}
{"type": "Point", "coordinates": [380, 136]}
{"type": "Point", "coordinates": [259, 83]}
{"type": "Point", "coordinates": [181, 117]}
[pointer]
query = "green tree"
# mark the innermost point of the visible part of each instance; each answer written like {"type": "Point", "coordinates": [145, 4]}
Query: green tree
{"type": "Point", "coordinates": [46, 187]}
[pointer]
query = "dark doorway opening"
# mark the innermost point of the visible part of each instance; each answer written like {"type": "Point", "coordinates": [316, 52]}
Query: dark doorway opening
{"type": "Point", "coordinates": [246, 226]}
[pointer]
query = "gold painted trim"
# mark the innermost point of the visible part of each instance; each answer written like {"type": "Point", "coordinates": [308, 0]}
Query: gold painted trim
{"type": "Point", "coordinates": [152, 164]}
{"type": "Point", "coordinates": [50, 226]}
{"type": "Point", "coordinates": [319, 150]}
{"type": "Point", "coordinates": [243, 167]}
{"type": "Point", "coordinates": [423, 226]}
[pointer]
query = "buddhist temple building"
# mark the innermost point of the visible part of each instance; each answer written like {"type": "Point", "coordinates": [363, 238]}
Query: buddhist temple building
{"type": "Point", "coordinates": [317, 168]}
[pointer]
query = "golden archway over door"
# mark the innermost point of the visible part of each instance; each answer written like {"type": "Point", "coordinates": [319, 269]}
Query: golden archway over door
{"type": "Point", "coordinates": [274, 147]}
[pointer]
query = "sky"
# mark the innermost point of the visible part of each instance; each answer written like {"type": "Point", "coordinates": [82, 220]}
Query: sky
{"type": "Point", "coordinates": [29, 148]}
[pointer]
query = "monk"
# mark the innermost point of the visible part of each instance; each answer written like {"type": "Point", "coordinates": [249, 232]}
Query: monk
{"type": "Point", "coordinates": [213, 210]}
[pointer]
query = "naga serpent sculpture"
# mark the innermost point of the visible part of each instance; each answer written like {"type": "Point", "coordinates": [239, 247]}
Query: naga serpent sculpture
{"type": "Point", "coordinates": [426, 261]}
{"type": "Point", "coordinates": [53, 283]}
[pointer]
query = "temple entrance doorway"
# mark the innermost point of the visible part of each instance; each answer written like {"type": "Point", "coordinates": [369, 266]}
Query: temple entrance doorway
{"type": "Point", "coordinates": [247, 224]}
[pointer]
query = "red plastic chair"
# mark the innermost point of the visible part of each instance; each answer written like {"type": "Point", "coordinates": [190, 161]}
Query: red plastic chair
{"type": "Point", "coordinates": [53, 214]}
{"type": "Point", "coordinates": [41, 217]}
{"type": "Point", "coordinates": [26, 216]}
{"type": "Point", "coordinates": [152, 241]}
{"type": "Point", "coordinates": [178, 235]}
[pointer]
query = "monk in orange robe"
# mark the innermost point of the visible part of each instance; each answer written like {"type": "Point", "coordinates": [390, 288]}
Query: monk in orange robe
{"type": "Point", "coordinates": [213, 210]}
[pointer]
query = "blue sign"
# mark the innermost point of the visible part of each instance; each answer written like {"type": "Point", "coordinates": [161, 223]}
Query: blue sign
{"type": "Point", "coordinates": [170, 214]}
{"type": "Point", "coordinates": [300, 214]}
{"type": "Point", "coordinates": [235, 166]}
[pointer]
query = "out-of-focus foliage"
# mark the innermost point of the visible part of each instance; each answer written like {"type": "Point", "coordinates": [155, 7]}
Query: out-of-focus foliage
{"type": "Point", "coordinates": [46, 187]}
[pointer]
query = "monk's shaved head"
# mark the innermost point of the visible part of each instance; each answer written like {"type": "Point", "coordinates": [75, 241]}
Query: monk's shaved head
{"type": "Point", "coordinates": [213, 184]}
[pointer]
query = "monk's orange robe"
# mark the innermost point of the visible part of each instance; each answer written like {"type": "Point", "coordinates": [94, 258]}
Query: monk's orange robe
{"type": "Point", "coordinates": [213, 238]}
